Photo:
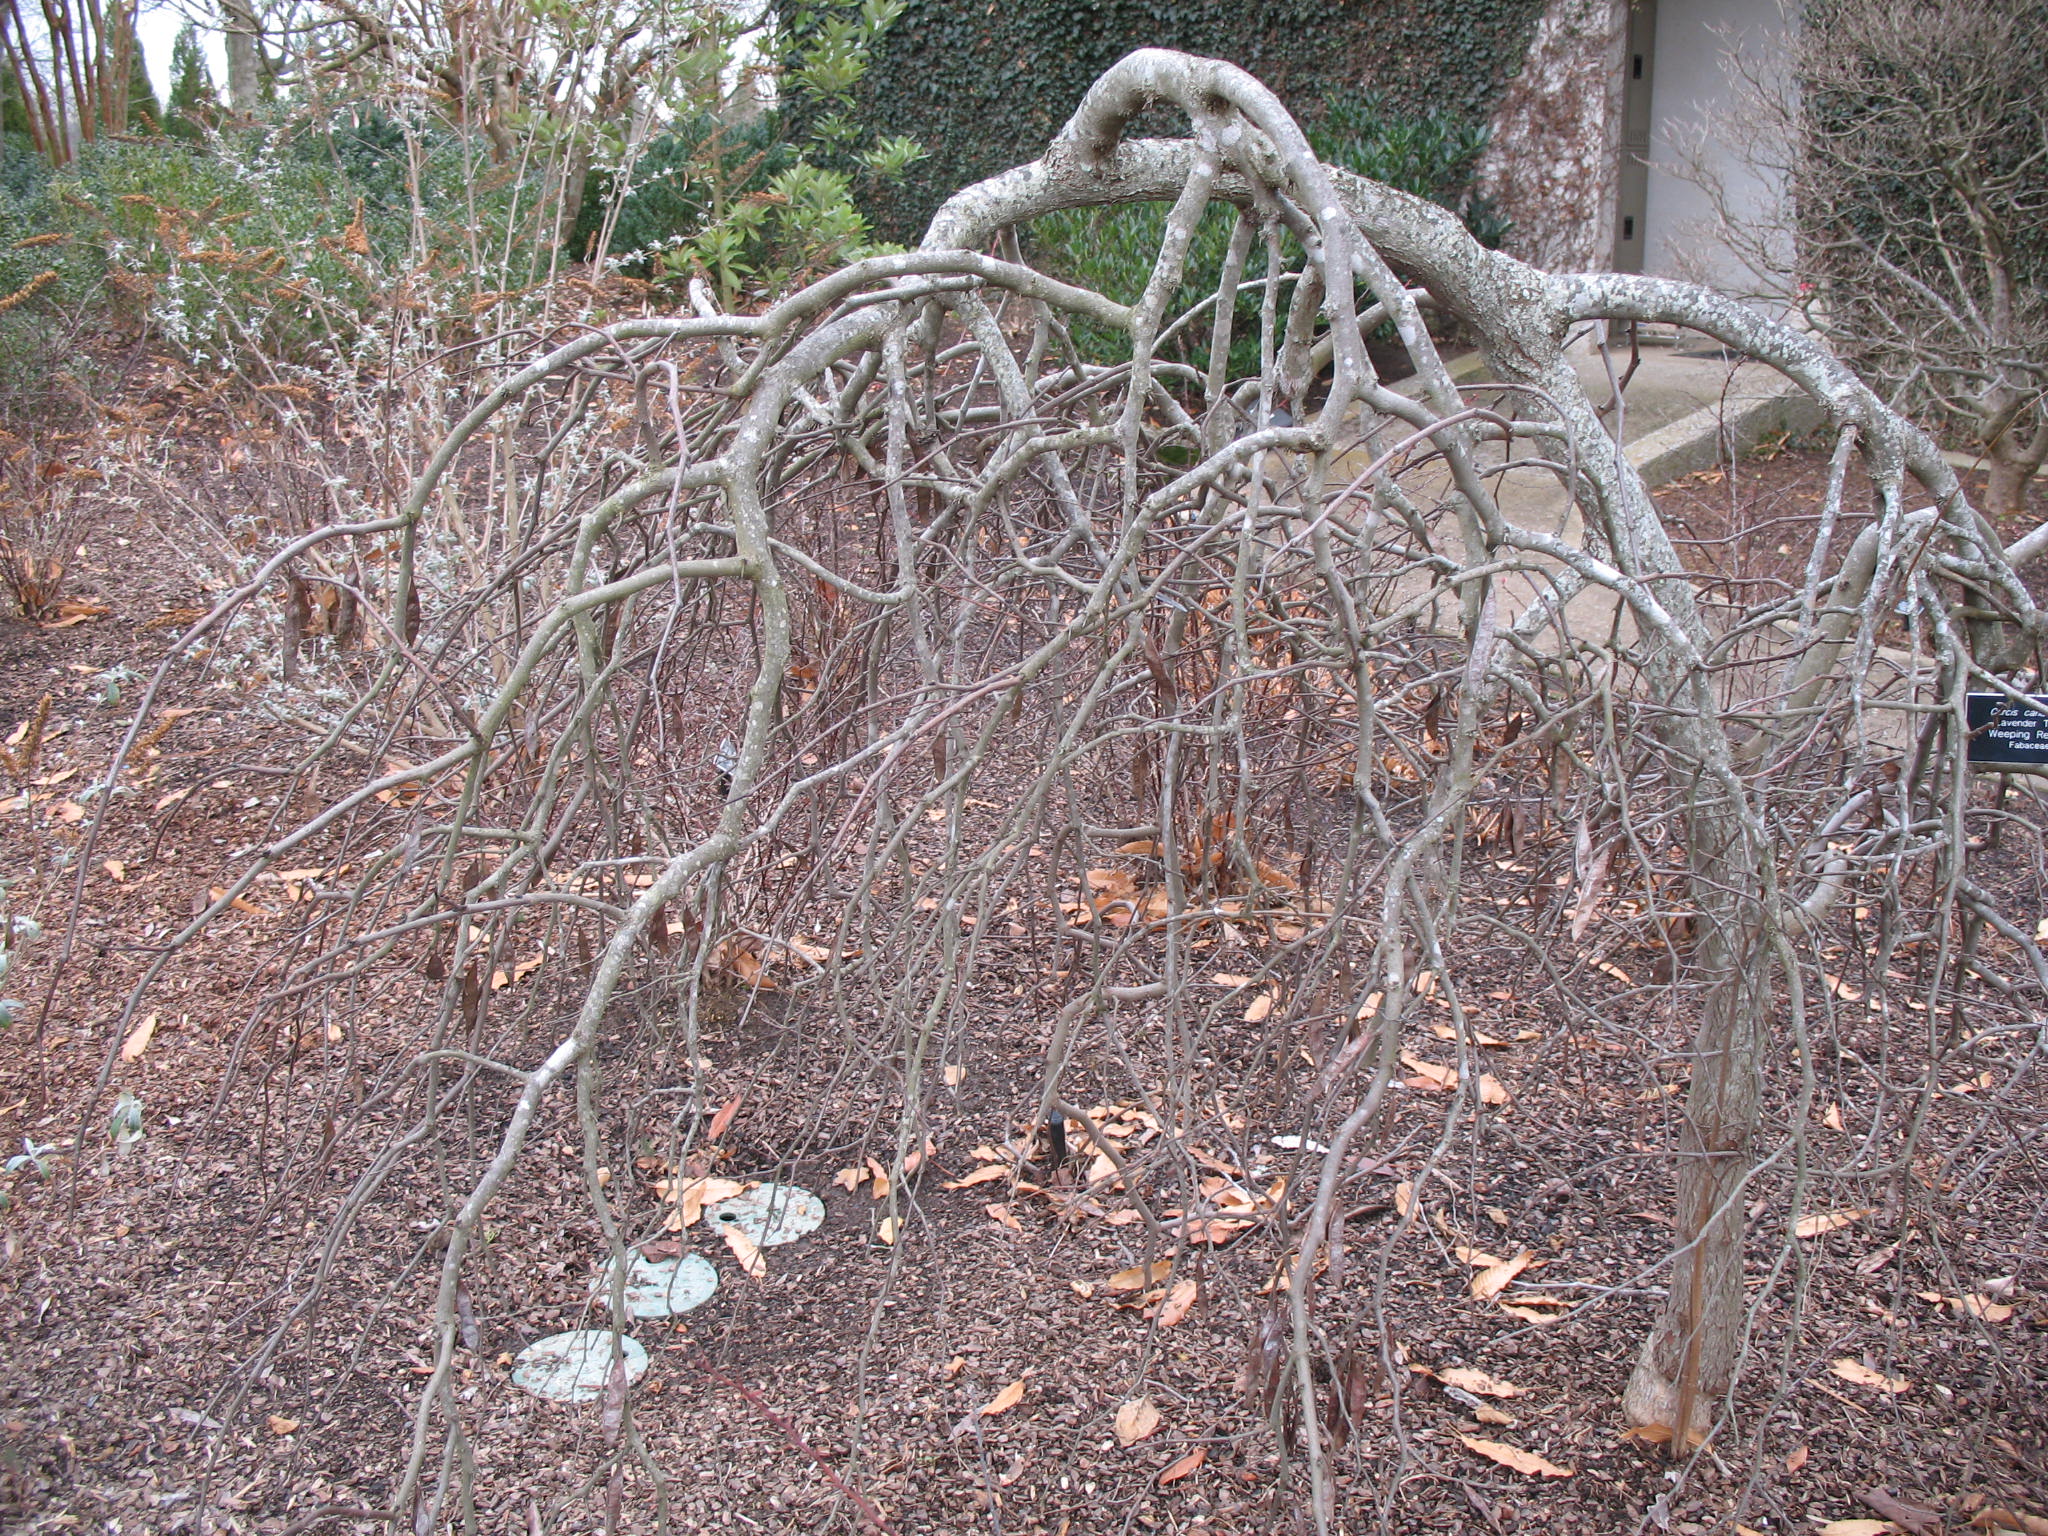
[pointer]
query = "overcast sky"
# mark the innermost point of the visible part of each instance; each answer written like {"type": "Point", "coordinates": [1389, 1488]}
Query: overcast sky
{"type": "Point", "coordinates": [158, 27]}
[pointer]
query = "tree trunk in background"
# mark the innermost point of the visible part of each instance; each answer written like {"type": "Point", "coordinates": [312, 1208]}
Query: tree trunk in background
{"type": "Point", "coordinates": [238, 28]}
{"type": "Point", "coordinates": [2011, 472]}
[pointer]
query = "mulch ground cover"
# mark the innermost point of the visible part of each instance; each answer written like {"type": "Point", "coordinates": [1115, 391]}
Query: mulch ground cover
{"type": "Point", "coordinates": [970, 1374]}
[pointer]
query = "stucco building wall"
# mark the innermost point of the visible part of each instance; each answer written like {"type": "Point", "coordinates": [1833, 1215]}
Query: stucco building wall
{"type": "Point", "coordinates": [1624, 114]}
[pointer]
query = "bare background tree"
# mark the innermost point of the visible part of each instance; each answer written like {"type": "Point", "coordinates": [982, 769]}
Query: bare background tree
{"type": "Point", "coordinates": [1911, 140]}
{"type": "Point", "coordinates": [75, 67]}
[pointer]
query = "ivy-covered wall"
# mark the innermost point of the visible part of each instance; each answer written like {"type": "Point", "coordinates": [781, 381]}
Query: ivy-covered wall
{"type": "Point", "coordinates": [984, 84]}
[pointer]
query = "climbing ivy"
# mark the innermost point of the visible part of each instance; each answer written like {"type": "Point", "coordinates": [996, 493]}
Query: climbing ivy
{"type": "Point", "coordinates": [1432, 154]}
{"type": "Point", "coordinates": [983, 84]}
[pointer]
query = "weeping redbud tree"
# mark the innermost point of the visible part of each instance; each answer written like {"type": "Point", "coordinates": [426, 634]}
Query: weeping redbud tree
{"type": "Point", "coordinates": [889, 655]}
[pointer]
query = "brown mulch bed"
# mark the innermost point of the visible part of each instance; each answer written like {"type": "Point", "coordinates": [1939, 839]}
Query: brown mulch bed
{"type": "Point", "coordinates": [135, 1284]}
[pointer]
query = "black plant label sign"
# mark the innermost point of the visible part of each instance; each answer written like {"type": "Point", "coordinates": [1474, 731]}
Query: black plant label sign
{"type": "Point", "coordinates": [2005, 732]}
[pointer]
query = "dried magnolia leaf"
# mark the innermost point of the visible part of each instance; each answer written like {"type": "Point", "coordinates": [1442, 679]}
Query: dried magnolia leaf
{"type": "Point", "coordinates": [1494, 1279]}
{"type": "Point", "coordinates": [1140, 1279]}
{"type": "Point", "coordinates": [1859, 1527]}
{"type": "Point", "coordinates": [138, 1040]}
{"type": "Point", "coordinates": [887, 1228]}
{"type": "Point", "coordinates": [988, 1173]}
{"type": "Point", "coordinates": [1797, 1458]}
{"type": "Point", "coordinates": [1477, 1381]}
{"type": "Point", "coordinates": [1004, 1400]}
{"type": "Point", "coordinates": [746, 1252]}
{"type": "Point", "coordinates": [1984, 1309]}
{"type": "Point", "coordinates": [1185, 1467]}
{"type": "Point", "coordinates": [1996, 1517]}
{"type": "Point", "coordinates": [1002, 1216]}
{"type": "Point", "coordinates": [240, 904]}
{"type": "Point", "coordinates": [1528, 1463]}
{"type": "Point", "coordinates": [692, 1196]}
{"type": "Point", "coordinates": [1476, 1037]}
{"type": "Point", "coordinates": [1859, 1374]}
{"type": "Point", "coordinates": [722, 1121]}
{"type": "Point", "coordinates": [280, 1425]}
{"type": "Point", "coordinates": [1260, 1006]}
{"type": "Point", "coordinates": [1486, 1413]}
{"type": "Point", "coordinates": [1404, 1198]}
{"type": "Point", "coordinates": [1178, 1301]}
{"type": "Point", "coordinates": [1491, 1091]}
{"type": "Point", "coordinates": [1136, 1420]}
{"type": "Point", "coordinates": [955, 1075]}
{"type": "Point", "coordinates": [849, 1179]}
{"type": "Point", "coordinates": [1815, 1225]}
{"type": "Point", "coordinates": [1429, 1076]}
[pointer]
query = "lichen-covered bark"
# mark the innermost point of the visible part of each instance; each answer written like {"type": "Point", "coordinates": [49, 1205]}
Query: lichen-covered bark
{"type": "Point", "coordinates": [1521, 317]}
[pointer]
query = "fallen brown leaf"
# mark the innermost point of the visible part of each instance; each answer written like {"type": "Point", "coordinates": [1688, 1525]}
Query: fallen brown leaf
{"type": "Point", "coordinates": [1856, 1372]}
{"type": "Point", "coordinates": [138, 1039]}
{"type": "Point", "coordinates": [745, 1251]}
{"type": "Point", "coordinates": [1137, 1279]}
{"type": "Point", "coordinates": [988, 1173]}
{"type": "Point", "coordinates": [1996, 1517]}
{"type": "Point", "coordinates": [1477, 1381]}
{"type": "Point", "coordinates": [692, 1196]}
{"type": "Point", "coordinates": [1136, 1420]}
{"type": "Point", "coordinates": [241, 904]}
{"type": "Point", "coordinates": [1815, 1225]}
{"type": "Point", "coordinates": [1528, 1463]}
{"type": "Point", "coordinates": [722, 1121]}
{"type": "Point", "coordinates": [1185, 1467]}
{"type": "Point", "coordinates": [1178, 1301]}
{"type": "Point", "coordinates": [1004, 1400]}
{"type": "Point", "coordinates": [1494, 1279]}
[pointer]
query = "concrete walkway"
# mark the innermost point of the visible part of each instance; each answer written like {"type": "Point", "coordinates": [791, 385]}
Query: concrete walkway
{"type": "Point", "coordinates": [1685, 408]}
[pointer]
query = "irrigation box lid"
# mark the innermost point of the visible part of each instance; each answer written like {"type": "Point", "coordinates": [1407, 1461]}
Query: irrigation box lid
{"type": "Point", "coordinates": [2004, 733]}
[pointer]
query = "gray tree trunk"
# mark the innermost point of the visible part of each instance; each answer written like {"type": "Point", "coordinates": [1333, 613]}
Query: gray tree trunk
{"type": "Point", "coordinates": [239, 31]}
